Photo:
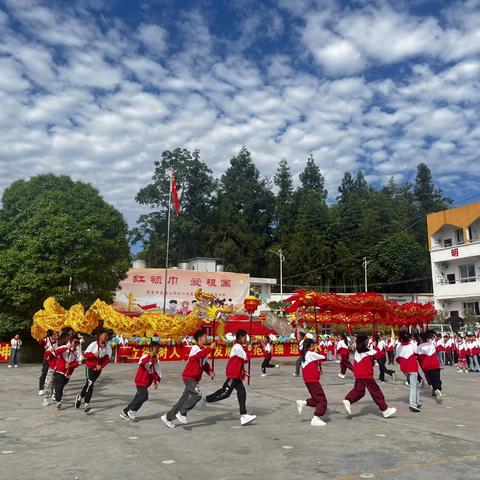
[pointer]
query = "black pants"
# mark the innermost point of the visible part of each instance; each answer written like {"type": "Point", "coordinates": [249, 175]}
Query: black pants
{"type": "Point", "coordinates": [383, 369]}
{"type": "Point", "coordinates": [140, 398]}
{"type": "Point", "coordinates": [227, 389]}
{"type": "Point", "coordinates": [59, 382]}
{"type": "Point", "coordinates": [298, 365]}
{"type": "Point", "coordinates": [448, 358]}
{"type": "Point", "coordinates": [391, 357]}
{"type": "Point", "coordinates": [266, 364]}
{"type": "Point", "coordinates": [87, 390]}
{"type": "Point", "coordinates": [43, 375]}
{"type": "Point", "coordinates": [433, 378]}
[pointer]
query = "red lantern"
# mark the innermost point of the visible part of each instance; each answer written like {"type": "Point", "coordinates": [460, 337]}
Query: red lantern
{"type": "Point", "coordinates": [250, 304]}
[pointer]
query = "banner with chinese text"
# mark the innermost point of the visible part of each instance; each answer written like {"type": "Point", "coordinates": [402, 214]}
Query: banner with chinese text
{"type": "Point", "coordinates": [144, 287]}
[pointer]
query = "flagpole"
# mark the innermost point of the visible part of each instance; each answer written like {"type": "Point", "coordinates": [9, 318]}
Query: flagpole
{"type": "Point", "coordinates": [168, 243]}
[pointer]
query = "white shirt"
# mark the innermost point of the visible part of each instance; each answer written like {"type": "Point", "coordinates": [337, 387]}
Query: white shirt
{"type": "Point", "coordinates": [16, 343]}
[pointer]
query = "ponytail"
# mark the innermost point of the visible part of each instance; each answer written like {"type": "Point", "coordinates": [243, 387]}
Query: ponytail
{"type": "Point", "coordinates": [308, 342]}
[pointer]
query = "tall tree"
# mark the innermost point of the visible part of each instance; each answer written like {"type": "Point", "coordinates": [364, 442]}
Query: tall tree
{"type": "Point", "coordinates": [60, 238]}
{"type": "Point", "coordinates": [429, 198]}
{"type": "Point", "coordinates": [243, 217]}
{"type": "Point", "coordinates": [189, 230]}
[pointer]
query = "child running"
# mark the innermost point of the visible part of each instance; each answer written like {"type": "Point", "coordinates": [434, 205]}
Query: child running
{"type": "Point", "coordinates": [311, 368]}
{"type": "Point", "coordinates": [381, 357]}
{"type": "Point", "coordinates": [97, 357]}
{"type": "Point", "coordinates": [67, 362]}
{"type": "Point", "coordinates": [267, 355]}
{"type": "Point", "coordinates": [343, 351]}
{"type": "Point", "coordinates": [428, 360]}
{"type": "Point", "coordinates": [298, 364]}
{"type": "Point", "coordinates": [148, 372]}
{"type": "Point", "coordinates": [51, 359]}
{"type": "Point", "coordinates": [192, 374]}
{"type": "Point", "coordinates": [363, 372]}
{"type": "Point", "coordinates": [235, 375]}
{"type": "Point", "coordinates": [407, 359]}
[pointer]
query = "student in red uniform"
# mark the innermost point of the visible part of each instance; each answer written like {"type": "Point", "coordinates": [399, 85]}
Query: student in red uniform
{"type": "Point", "coordinates": [344, 352]}
{"type": "Point", "coordinates": [300, 337]}
{"type": "Point", "coordinates": [406, 357]}
{"type": "Point", "coordinates": [428, 360]}
{"type": "Point", "coordinates": [51, 359]}
{"type": "Point", "coordinates": [97, 357]}
{"type": "Point", "coordinates": [192, 374]}
{"type": "Point", "coordinates": [148, 373]}
{"type": "Point", "coordinates": [381, 357]}
{"type": "Point", "coordinates": [390, 344]}
{"type": "Point", "coordinates": [67, 362]}
{"type": "Point", "coordinates": [46, 343]}
{"type": "Point", "coordinates": [267, 355]}
{"type": "Point", "coordinates": [235, 375]}
{"type": "Point", "coordinates": [363, 371]}
{"type": "Point", "coordinates": [311, 368]}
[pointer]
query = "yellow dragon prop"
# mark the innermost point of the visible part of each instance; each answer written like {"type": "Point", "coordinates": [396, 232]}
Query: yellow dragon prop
{"type": "Point", "coordinates": [53, 316]}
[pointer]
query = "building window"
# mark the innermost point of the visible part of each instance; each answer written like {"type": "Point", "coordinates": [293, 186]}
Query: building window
{"type": "Point", "coordinates": [459, 236]}
{"type": "Point", "coordinates": [472, 307]}
{"type": "Point", "coordinates": [447, 242]}
{"type": "Point", "coordinates": [467, 273]}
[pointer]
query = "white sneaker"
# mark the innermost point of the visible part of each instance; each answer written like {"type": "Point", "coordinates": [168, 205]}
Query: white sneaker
{"type": "Point", "coordinates": [9, 366]}
{"type": "Point", "coordinates": [45, 402]}
{"type": "Point", "coordinates": [124, 415]}
{"type": "Point", "coordinates": [167, 422]}
{"type": "Point", "coordinates": [407, 384]}
{"type": "Point", "coordinates": [300, 405]}
{"type": "Point", "coordinates": [40, 392]}
{"type": "Point", "coordinates": [181, 418]}
{"type": "Point", "coordinates": [132, 415]}
{"type": "Point", "coordinates": [337, 361]}
{"type": "Point", "coordinates": [438, 396]}
{"type": "Point", "coordinates": [86, 407]}
{"type": "Point", "coordinates": [389, 412]}
{"type": "Point", "coordinates": [277, 366]}
{"type": "Point", "coordinates": [59, 405]}
{"type": "Point", "coordinates": [294, 374]}
{"type": "Point", "coordinates": [244, 419]}
{"type": "Point", "coordinates": [317, 422]}
{"type": "Point", "coordinates": [16, 366]}
{"type": "Point", "coordinates": [341, 375]}
{"type": "Point", "coordinates": [263, 375]}
{"type": "Point", "coordinates": [348, 406]}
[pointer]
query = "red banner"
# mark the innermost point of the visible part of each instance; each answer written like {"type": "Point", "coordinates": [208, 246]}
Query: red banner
{"type": "Point", "coordinates": [179, 352]}
{"type": "Point", "coordinates": [4, 352]}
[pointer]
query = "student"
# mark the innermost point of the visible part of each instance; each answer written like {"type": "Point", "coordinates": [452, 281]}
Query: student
{"type": "Point", "coordinates": [300, 336]}
{"type": "Point", "coordinates": [381, 358]}
{"type": "Point", "coordinates": [390, 346]}
{"type": "Point", "coordinates": [473, 350]}
{"type": "Point", "coordinates": [406, 357]}
{"type": "Point", "coordinates": [97, 357]}
{"type": "Point", "coordinates": [330, 348]}
{"type": "Point", "coordinates": [235, 375]}
{"type": "Point", "coordinates": [428, 360]}
{"type": "Point", "coordinates": [344, 352]}
{"type": "Point", "coordinates": [448, 343]}
{"type": "Point", "coordinates": [363, 372]}
{"type": "Point", "coordinates": [461, 348]}
{"type": "Point", "coordinates": [67, 362]}
{"type": "Point", "coordinates": [51, 359]}
{"type": "Point", "coordinates": [148, 372]}
{"type": "Point", "coordinates": [311, 369]}
{"type": "Point", "coordinates": [267, 355]}
{"type": "Point", "coordinates": [192, 374]}
{"type": "Point", "coordinates": [440, 349]}
{"type": "Point", "coordinates": [15, 343]}
{"type": "Point", "coordinates": [46, 342]}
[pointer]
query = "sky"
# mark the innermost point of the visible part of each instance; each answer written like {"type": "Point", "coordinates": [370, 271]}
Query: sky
{"type": "Point", "coordinates": [97, 89]}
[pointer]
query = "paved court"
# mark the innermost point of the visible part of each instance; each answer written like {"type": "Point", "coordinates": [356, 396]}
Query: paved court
{"type": "Point", "coordinates": [42, 443]}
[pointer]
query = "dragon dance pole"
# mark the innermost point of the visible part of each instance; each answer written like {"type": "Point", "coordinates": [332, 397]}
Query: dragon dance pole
{"type": "Point", "coordinates": [168, 244]}
{"type": "Point", "coordinates": [249, 359]}
{"type": "Point", "coordinates": [213, 341]}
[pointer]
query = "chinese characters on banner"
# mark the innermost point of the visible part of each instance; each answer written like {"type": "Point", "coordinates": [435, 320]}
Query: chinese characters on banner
{"type": "Point", "coordinates": [4, 352]}
{"type": "Point", "coordinates": [144, 287]}
{"type": "Point", "coordinates": [179, 352]}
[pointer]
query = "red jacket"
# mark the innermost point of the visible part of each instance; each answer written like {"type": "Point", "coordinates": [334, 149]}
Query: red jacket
{"type": "Point", "coordinates": [148, 371]}
{"type": "Point", "coordinates": [406, 357]}
{"type": "Point", "coordinates": [312, 367]}
{"type": "Point", "coordinates": [380, 350]}
{"type": "Point", "coordinates": [342, 348]}
{"type": "Point", "coordinates": [427, 356]}
{"type": "Point", "coordinates": [236, 363]}
{"type": "Point", "coordinates": [267, 350]}
{"type": "Point", "coordinates": [49, 354]}
{"type": "Point", "coordinates": [67, 360]}
{"type": "Point", "coordinates": [363, 364]}
{"type": "Point", "coordinates": [197, 363]}
{"type": "Point", "coordinates": [97, 357]}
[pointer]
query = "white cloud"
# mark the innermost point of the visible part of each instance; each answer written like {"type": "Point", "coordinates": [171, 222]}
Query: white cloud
{"type": "Point", "coordinates": [153, 37]}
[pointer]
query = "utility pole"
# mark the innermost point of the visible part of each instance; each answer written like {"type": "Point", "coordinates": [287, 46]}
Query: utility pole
{"type": "Point", "coordinates": [281, 257]}
{"type": "Point", "coordinates": [365, 266]}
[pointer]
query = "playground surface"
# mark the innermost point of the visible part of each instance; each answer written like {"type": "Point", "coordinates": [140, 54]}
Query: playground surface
{"type": "Point", "coordinates": [40, 443]}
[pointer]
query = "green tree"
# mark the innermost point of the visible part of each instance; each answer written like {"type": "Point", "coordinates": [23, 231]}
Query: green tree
{"type": "Point", "coordinates": [283, 200]}
{"type": "Point", "coordinates": [190, 230]}
{"type": "Point", "coordinates": [243, 217]}
{"type": "Point", "coordinates": [60, 238]}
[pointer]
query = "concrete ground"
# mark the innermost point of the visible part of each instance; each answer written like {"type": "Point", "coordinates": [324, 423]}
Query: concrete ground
{"type": "Point", "coordinates": [39, 443]}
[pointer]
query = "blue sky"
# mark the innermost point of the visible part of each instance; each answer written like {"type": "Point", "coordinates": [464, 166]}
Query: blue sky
{"type": "Point", "coordinates": [97, 89]}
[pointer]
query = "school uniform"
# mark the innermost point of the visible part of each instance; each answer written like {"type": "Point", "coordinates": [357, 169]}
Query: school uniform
{"type": "Point", "coordinates": [311, 369]}
{"type": "Point", "coordinates": [473, 350]}
{"type": "Point", "coordinates": [267, 357]}
{"type": "Point", "coordinates": [448, 344]}
{"type": "Point", "coordinates": [363, 372]}
{"type": "Point", "coordinates": [51, 359]}
{"type": "Point", "coordinates": [148, 372]}
{"type": "Point", "coordinates": [381, 358]}
{"type": "Point", "coordinates": [235, 371]}
{"type": "Point", "coordinates": [192, 374]}
{"type": "Point", "coordinates": [428, 360]}
{"type": "Point", "coordinates": [344, 352]}
{"type": "Point", "coordinates": [298, 363]}
{"type": "Point", "coordinates": [45, 343]}
{"type": "Point", "coordinates": [406, 357]}
{"type": "Point", "coordinates": [390, 346]}
{"type": "Point", "coordinates": [440, 349]}
{"type": "Point", "coordinates": [67, 362]}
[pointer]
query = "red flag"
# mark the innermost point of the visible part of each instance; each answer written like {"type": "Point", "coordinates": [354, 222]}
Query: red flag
{"type": "Point", "coordinates": [176, 204]}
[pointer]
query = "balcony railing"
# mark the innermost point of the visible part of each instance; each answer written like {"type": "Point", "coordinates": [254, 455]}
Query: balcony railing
{"type": "Point", "coordinates": [439, 246]}
{"type": "Point", "coordinates": [445, 281]}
